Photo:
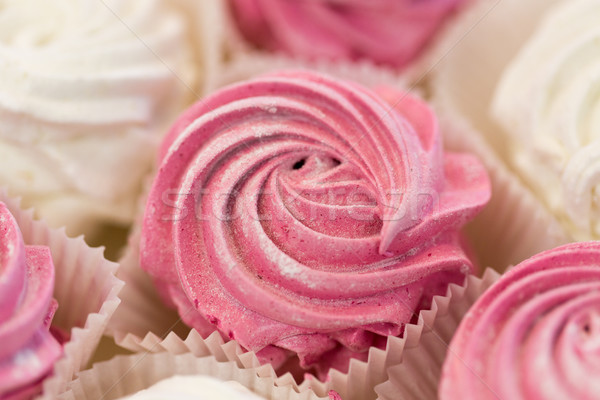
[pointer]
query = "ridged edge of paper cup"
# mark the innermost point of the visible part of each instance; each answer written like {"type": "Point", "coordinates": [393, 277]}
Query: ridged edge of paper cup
{"type": "Point", "coordinates": [416, 375]}
{"type": "Point", "coordinates": [125, 375]}
{"type": "Point", "coordinates": [362, 377]}
{"type": "Point", "coordinates": [248, 64]}
{"type": "Point", "coordinates": [85, 287]}
{"type": "Point", "coordinates": [358, 383]}
{"type": "Point", "coordinates": [141, 310]}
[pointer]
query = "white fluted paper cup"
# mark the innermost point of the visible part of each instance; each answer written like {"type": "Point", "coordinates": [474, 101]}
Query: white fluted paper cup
{"type": "Point", "coordinates": [126, 375]}
{"type": "Point", "coordinates": [86, 290]}
{"type": "Point", "coordinates": [416, 375]}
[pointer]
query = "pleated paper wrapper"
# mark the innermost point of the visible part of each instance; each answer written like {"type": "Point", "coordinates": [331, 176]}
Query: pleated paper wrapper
{"type": "Point", "coordinates": [416, 376]}
{"type": "Point", "coordinates": [125, 375]}
{"type": "Point", "coordinates": [86, 290]}
{"type": "Point", "coordinates": [142, 324]}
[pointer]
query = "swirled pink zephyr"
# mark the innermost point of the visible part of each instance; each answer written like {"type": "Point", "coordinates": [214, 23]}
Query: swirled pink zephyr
{"type": "Point", "coordinates": [534, 334]}
{"type": "Point", "coordinates": [389, 32]}
{"type": "Point", "coordinates": [28, 350]}
{"type": "Point", "coordinates": [300, 214]}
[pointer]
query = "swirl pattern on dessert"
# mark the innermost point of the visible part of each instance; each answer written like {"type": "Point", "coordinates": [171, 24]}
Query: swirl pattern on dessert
{"type": "Point", "coordinates": [86, 88]}
{"type": "Point", "coordinates": [548, 101]}
{"type": "Point", "coordinates": [388, 32]}
{"type": "Point", "coordinates": [298, 212]}
{"type": "Point", "coordinates": [535, 334]}
{"type": "Point", "coordinates": [28, 349]}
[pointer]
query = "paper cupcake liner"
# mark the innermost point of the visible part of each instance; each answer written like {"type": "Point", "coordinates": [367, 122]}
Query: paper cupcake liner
{"type": "Point", "coordinates": [85, 287]}
{"type": "Point", "coordinates": [421, 350]}
{"type": "Point", "coordinates": [124, 375]}
{"type": "Point", "coordinates": [106, 349]}
{"type": "Point", "coordinates": [416, 375]}
{"type": "Point", "coordinates": [358, 383]}
{"type": "Point", "coordinates": [249, 64]}
{"type": "Point", "coordinates": [141, 310]}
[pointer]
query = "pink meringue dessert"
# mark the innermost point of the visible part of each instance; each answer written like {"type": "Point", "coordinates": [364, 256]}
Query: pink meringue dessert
{"type": "Point", "coordinates": [304, 216]}
{"type": "Point", "coordinates": [532, 335]}
{"type": "Point", "coordinates": [389, 32]}
{"type": "Point", "coordinates": [28, 349]}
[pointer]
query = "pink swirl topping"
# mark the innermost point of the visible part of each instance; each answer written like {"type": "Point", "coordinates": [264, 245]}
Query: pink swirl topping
{"type": "Point", "coordinates": [27, 349]}
{"type": "Point", "coordinates": [535, 334]}
{"type": "Point", "coordinates": [297, 213]}
{"type": "Point", "coordinates": [388, 32]}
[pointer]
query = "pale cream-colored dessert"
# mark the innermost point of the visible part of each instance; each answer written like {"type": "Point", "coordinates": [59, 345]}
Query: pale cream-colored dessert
{"type": "Point", "coordinates": [548, 103]}
{"type": "Point", "coordinates": [194, 387]}
{"type": "Point", "coordinates": [86, 90]}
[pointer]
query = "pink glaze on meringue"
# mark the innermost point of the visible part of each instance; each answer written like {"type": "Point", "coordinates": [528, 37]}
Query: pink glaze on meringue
{"type": "Point", "coordinates": [388, 32]}
{"type": "Point", "coordinates": [535, 334]}
{"type": "Point", "coordinates": [299, 214]}
{"type": "Point", "coordinates": [27, 348]}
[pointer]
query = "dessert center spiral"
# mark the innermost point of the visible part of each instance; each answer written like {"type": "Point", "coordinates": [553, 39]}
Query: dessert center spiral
{"type": "Point", "coordinates": [327, 195]}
